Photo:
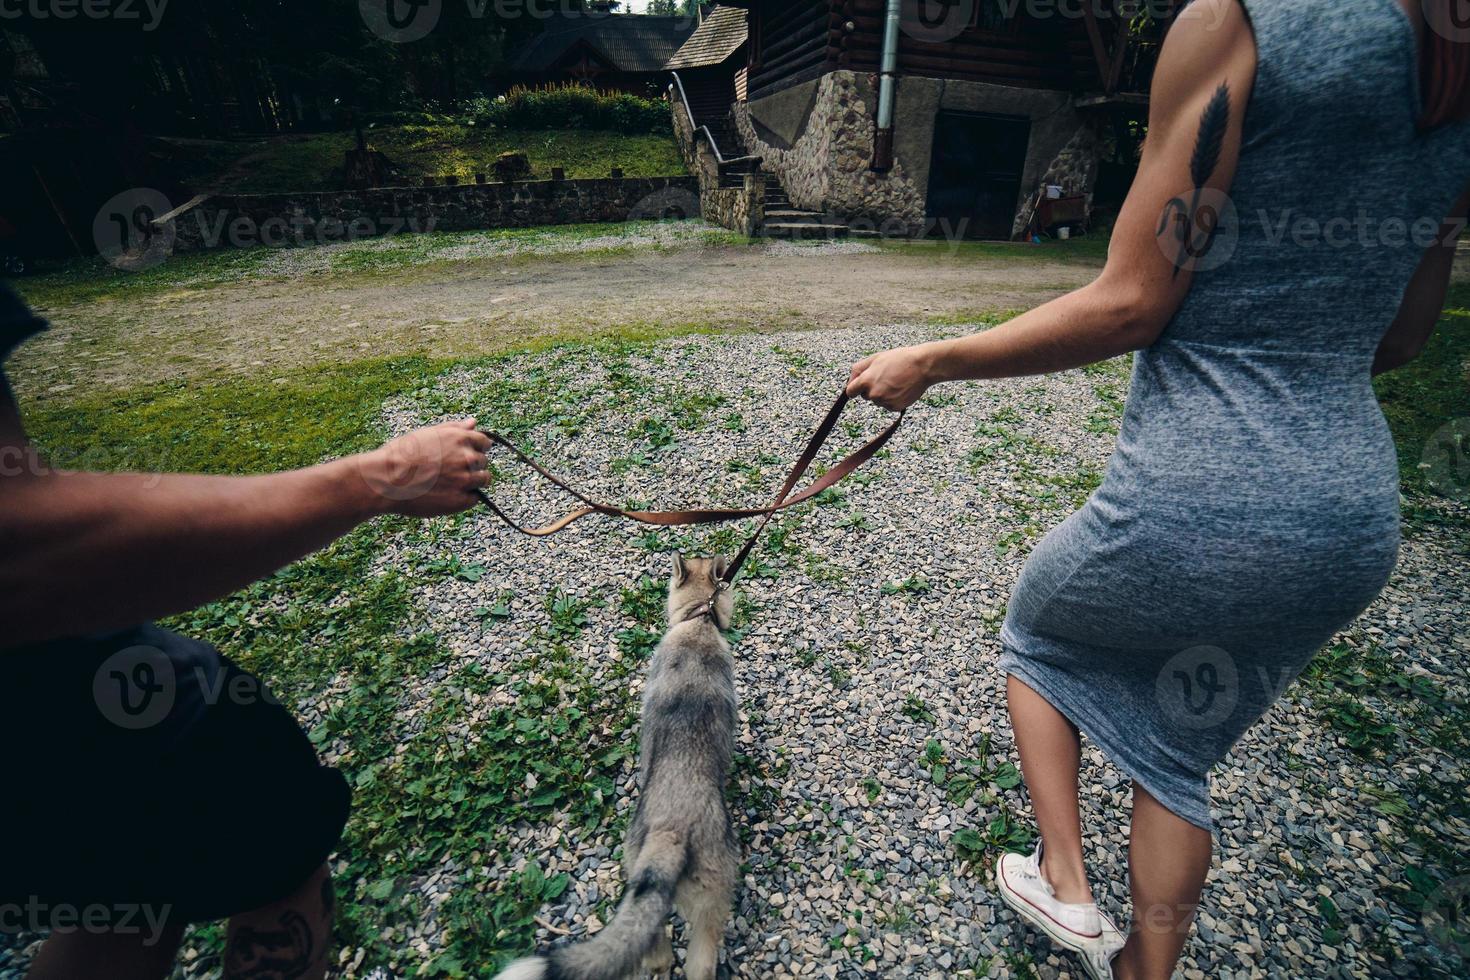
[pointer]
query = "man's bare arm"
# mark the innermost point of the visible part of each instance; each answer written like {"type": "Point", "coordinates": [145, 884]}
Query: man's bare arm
{"type": "Point", "coordinates": [83, 552]}
{"type": "Point", "coordinates": [1423, 301]}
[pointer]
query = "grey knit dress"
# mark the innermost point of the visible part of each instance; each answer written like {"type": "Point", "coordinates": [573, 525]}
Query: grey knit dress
{"type": "Point", "coordinates": [1251, 507]}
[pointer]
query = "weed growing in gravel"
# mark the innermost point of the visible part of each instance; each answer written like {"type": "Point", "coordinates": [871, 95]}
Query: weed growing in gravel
{"type": "Point", "coordinates": [1361, 693]}
{"type": "Point", "coordinates": [913, 585]}
{"type": "Point", "coordinates": [915, 708]}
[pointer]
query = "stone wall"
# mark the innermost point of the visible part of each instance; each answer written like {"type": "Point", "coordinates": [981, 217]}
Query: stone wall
{"type": "Point", "coordinates": [1074, 169]}
{"type": "Point", "coordinates": [698, 159]}
{"type": "Point", "coordinates": [818, 139]}
{"type": "Point", "coordinates": [826, 167]}
{"type": "Point", "coordinates": [245, 220]}
{"type": "Point", "coordinates": [741, 209]}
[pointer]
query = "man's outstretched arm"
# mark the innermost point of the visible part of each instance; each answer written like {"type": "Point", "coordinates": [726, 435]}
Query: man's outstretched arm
{"type": "Point", "coordinates": [84, 552]}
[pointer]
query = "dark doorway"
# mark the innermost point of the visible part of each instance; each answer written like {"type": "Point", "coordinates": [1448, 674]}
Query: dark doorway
{"type": "Point", "coordinates": [975, 177]}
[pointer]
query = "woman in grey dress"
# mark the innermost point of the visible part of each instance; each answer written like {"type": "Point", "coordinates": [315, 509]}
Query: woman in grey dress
{"type": "Point", "coordinates": [1250, 509]}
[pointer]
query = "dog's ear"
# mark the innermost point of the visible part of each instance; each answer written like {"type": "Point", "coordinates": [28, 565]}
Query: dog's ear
{"type": "Point", "coordinates": [681, 571]}
{"type": "Point", "coordinates": [717, 568]}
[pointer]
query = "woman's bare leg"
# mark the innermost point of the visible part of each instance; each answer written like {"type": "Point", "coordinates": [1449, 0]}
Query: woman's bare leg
{"type": "Point", "coordinates": [1168, 860]}
{"type": "Point", "coordinates": [1051, 754]}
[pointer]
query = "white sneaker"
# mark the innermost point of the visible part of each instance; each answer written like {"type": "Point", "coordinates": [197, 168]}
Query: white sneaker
{"type": "Point", "coordinates": [1097, 959]}
{"type": "Point", "coordinates": [1112, 935]}
{"type": "Point", "coordinates": [1078, 927]}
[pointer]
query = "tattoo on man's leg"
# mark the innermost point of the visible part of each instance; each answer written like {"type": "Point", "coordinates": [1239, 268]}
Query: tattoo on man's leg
{"type": "Point", "coordinates": [271, 954]}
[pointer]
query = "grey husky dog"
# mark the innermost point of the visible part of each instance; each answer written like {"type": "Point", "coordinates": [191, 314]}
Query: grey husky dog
{"type": "Point", "coordinates": [680, 852]}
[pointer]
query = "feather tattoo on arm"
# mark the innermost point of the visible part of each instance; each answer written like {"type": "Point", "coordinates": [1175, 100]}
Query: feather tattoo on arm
{"type": "Point", "coordinates": [1208, 146]}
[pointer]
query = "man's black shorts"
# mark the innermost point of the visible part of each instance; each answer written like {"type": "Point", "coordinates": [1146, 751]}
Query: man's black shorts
{"type": "Point", "coordinates": [145, 770]}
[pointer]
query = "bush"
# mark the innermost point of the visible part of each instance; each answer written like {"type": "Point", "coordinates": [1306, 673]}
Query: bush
{"type": "Point", "coordinates": [568, 106]}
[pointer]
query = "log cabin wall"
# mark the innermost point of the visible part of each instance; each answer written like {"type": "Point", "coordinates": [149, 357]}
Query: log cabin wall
{"type": "Point", "coordinates": [790, 42]}
{"type": "Point", "coordinates": [969, 42]}
{"type": "Point", "coordinates": [812, 83]}
{"type": "Point", "coordinates": [798, 40]}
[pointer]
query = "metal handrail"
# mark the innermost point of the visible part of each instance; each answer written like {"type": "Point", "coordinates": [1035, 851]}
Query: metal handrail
{"type": "Point", "coordinates": [710, 137]}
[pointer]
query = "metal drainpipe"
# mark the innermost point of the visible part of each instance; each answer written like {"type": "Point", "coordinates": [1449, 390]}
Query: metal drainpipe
{"type": "Point", "coordinates": [887, 78]}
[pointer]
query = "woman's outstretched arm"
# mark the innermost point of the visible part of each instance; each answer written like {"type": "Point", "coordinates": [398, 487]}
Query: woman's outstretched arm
{"type": "Point", "coordinates": [1201, 87]}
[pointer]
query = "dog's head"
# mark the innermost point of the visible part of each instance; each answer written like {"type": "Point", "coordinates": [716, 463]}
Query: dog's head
{"type": "Point", "coordinates": [695, 585]}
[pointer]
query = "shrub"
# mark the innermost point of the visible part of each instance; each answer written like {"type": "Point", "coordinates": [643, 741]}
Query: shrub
{"type": "Point", "coordinates": [569, 106]}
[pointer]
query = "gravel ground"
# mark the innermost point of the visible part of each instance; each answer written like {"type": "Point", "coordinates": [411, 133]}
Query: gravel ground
{"type": "Point", "coordinates": [411, 250]}
{"type": "Point", "coordinates": [874, 637]}
{"type": "Point", "coordinates": [868, 654]}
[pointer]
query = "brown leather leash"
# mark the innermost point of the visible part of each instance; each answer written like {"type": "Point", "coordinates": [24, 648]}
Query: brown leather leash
{"type": "Point", "coordinates": [678, 518]}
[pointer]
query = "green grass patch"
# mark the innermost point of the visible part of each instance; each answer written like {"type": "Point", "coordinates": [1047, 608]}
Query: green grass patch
{"type": "Point", "coordinates": [976, 317]}
{"type": "Point", "coordinates": [1089, 250]}
{"type": "Point", "coordinates": [313, 162]}
{"type": "Point", "coordinates": [1421, 397]}
{"type": "Point", "coordinates": [91, 280]}
{"type": "Point", "coordinates": [230, 427]}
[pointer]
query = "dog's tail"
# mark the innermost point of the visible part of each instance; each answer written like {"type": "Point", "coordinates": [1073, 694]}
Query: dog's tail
{"type": "Point", "coordinates": [620, 948]}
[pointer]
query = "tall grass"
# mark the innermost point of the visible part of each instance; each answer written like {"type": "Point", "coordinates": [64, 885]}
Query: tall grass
{"type": "Point", "coordinates": [569, 105]}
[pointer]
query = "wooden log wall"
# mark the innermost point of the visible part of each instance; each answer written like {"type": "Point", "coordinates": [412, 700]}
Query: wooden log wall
{"type": "Point", "coordinates": [791, 43]}
{"type": "Point", "coordinates": [796, 40]}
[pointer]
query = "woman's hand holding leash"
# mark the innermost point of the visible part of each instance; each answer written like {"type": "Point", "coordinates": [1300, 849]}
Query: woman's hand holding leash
{"type": "Point", "coordinates": [894, 379]}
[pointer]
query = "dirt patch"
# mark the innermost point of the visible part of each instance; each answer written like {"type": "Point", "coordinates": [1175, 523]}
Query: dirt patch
{"type": "Point", "coordinates": [475, 307]}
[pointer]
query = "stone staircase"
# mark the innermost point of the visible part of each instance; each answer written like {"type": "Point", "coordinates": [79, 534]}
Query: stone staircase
{"type": "Point", "coordinates": [783, 219]}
